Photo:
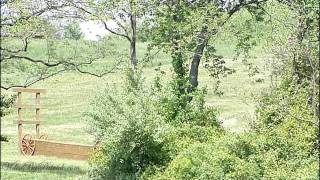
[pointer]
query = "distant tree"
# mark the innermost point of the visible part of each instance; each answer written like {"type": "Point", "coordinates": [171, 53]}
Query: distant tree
{"type": "Point", "coordinates": [124, 13]}
{"type": "Point", "coordinates": [73, 31]}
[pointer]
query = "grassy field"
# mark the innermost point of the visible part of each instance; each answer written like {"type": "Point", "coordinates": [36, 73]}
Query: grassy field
{"type": "Point", "coordinates": [69, 95]}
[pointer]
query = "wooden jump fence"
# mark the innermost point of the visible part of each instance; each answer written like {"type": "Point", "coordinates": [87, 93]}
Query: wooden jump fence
{"type": "Point", "coordinates": [40, 145]}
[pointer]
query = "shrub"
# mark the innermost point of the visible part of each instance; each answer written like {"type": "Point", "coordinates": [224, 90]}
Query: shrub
{"type": "Point", "coordinates": [130, 131]}
{"type": "Point", "coordinates": [207, 161]}
{"type": "Point", "coordinates": [252, 155]}
{"type": "Point", "coordinates": [285, 113]}
{"type": "Point", "coordinates": [136, 136]}
{"type": "Point", "coordinates": [178, 110]}
{"type": "Point", "coordinates": [5, 104]}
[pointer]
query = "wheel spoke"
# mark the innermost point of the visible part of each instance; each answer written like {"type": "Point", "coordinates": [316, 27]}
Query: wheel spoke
{"type": "Point", "coordinates": [26, 151]}
{"type": "Point", "coordinates": [27, 145]}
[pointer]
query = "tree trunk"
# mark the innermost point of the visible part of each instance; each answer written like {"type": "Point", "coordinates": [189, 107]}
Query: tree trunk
{"type": "Point", "coordinates": [133, 52]}
{"type": "Point", "coordinates": [201, 44]}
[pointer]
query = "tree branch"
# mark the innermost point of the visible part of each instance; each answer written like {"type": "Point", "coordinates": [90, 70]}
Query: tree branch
{"type": "Point", "coordinates": [98, 75]}
{"type": "Point", "coordinates": [27, 84]}
{"type": "Point", "coordinates": [32, 14]}
{"type": "Point", "coordinates": [34, 60]}
{"type": "Point", "coordinates": [114, 32]}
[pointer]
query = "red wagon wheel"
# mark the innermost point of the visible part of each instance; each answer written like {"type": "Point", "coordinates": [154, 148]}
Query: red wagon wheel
{"type": "Point", "coordinates": [27, 145]}
{"type": "Point", "coordinates": [44, 137]}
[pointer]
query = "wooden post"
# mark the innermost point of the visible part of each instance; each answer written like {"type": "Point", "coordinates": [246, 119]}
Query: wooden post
{"type": "Point", "coordinates": [19, 119]}
{"type": "Point", "coordinates": [38, 114]}
{"type": "Point", "coordinates": [19, 105]}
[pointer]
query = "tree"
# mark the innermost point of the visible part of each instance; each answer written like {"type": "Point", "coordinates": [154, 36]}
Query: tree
{"type": "Point", "coordinates": [124, 13]}
{"type": "Point", "coordinates": [302, 46]}
{"type": "Point", "coordinates": [24, 22]}
{"type": "Point", "coordinates": [184, 29]}
{"type": "Point", "coordinates": [73, 31]}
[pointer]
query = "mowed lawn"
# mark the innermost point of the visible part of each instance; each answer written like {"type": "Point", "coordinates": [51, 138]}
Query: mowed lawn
{"type": "Point", "coordinates": [68, 98]}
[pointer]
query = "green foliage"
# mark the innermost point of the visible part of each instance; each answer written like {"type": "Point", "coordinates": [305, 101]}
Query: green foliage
{"type": "Point", "coordinates": [178, 110]}
{"type": "Point", "coordinates": [282, 144]}
{"type": "Point", "coordinates": [209, 161]}
{"type": "Point", "coordinates": [138, 133]}
{"type": "Point", "coordinates": [5, 103]}
{"type": "Point", "coordinates": [4, 138]}
{"type": "Point", "coordinates": [253, 155]}
{"type": "Point", "coordinates": [175, 29]}
{"type": "Point", "coordinates": [130, 131]}
{"type": "Point", "coordinates": [73, 31]}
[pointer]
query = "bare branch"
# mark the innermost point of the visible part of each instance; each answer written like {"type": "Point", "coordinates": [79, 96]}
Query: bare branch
{"type": "Point", "coordinates": [114, 32]}
{"type": "Point", "coordinates": [34, 60]}
{"type": "Point", "coordinates": [98, 75]}
{"type": "Point", "coordinates": [121, 25]}
{"type": "Point", "coordinates": [27, 84]}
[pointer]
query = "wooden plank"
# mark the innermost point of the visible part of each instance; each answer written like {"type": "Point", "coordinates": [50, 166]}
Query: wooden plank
{"type": "Point", "coordinates": [63, 150]}
{"type": "Point", "coordinates": [27, 106]}
{"type": "Point", "coordinates": [29, 90]}
{"type": "Point", "coordinates": [26, 122]}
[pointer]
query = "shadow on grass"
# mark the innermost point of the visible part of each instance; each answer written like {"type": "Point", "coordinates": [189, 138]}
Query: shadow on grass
{"type": "Point", "coordinates": [41, 167]}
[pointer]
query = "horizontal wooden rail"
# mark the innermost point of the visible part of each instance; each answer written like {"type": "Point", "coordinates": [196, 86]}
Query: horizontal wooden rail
{"type": "Point", "coordinates": [29, 90]}
{"type": "Point", "coordinates": [27, 106]}
{"type": "Point", "coordinates": [26, 122]}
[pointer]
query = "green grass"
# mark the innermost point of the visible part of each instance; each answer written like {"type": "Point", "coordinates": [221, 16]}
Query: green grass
{"type": "Point", "coordinates": [69, 95]}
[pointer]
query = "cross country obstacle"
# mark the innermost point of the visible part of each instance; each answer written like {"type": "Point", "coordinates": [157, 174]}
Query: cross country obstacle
{"type": "Point", "coordinates": [39, 144]}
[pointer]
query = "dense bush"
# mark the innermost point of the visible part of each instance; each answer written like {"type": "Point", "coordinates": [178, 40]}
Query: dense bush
{"type": "Point", "coordinates": [282, 144]}
{"type": "Point", "coordinates": [194, 112]}
{"type": "Point", "coordinates": [248, 156]}
{"type": "Point", "coordinates": [286, 113]}
{"type": "Point", "coordinates": [5, 104]}
{"type": "Point", "coordinates": [135, 134]}
{"type": "Point", "coordinates": [131, 133]}
{"type": "Point", "coordinates": [144, 133]}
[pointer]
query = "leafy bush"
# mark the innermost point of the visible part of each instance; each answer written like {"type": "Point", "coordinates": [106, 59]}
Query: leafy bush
{"type": "Point", "coordinates": [130, 131]}
{"type": "Point", "coordinates": [246, 156]}
{"type": "Point", "coordinates": [5, 104]}
{"type": "Point", "coordinates": [178, 110]}
{"type": "Point", "coordinates": [286, 113]}
{"type": "Point", "coordinates": [283, 144]}
{"type": "Point", "coordinates": [136, 136]}
{"type": "Point", "coordinates": [208, 161]}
